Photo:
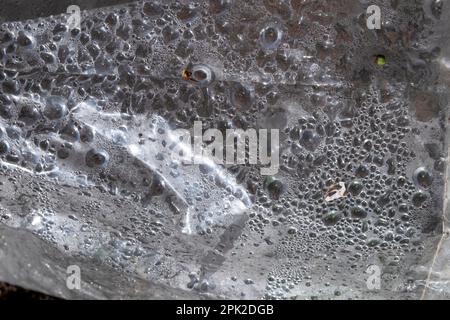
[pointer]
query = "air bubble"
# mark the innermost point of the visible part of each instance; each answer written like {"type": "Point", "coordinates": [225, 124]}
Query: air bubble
{"type": "Point", "coordinates": [422, 177]}
{"type": "Point", "coordinates": [419, 198]}
{"type": "Point", "coordinates": [331, 218]}
{"type": "Point", "coordinates": [358, 212]}
{"type": "Point", "coordinates": [270, 37]}
{"type": "Point", "coordinates": [96, 158]}
{"type": "Point", "coordinates": [274, 187]}
{"type": "Point", "coordinates": [4, 147]}
{"type": "Point", "coordinates": [55, 108]}
{"type": "Point", "coordinates": [202, 74]}
{"type": "Point", "coordinates": [355, 187]}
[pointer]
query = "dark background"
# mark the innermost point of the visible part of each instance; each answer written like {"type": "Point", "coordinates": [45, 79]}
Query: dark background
{"type": "Point", "coordinates": [8, 292]}
{"type": "Point", "coordinates": [17, 10]}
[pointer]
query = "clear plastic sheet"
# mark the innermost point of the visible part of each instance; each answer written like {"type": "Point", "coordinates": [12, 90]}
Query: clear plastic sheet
{"type": "Point", "coordinates": [89, 178]}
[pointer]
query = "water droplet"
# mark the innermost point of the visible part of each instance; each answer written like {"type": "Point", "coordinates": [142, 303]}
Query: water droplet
{"type": "Point", "coordinates": [270, 37]}
{"type": "Point", "coordinates": [358, 212]}
{"type": "Point", "coordinates": [331, 218]}
{"type": "Point", "coordinates": [419, 198]}
{"type": "Point", "coordinates": [422, 177]}
{"type": "Point", "coordinates": [55, 108]}
{"type": "Point", "coordinates": [96, 158]}
{"type": "Point", "coordinates": [4, 147]}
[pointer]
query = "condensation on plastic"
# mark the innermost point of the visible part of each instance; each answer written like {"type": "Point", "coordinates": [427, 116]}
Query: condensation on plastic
{"type": "Point", "coordinates": [145, 225]}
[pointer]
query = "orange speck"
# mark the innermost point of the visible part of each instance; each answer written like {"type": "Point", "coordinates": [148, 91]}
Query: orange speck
{"type": "Point", "coordinates": [186, 74]}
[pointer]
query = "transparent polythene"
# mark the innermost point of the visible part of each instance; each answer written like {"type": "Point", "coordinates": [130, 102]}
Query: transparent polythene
{"type": "Point", "coordinates": [95, 202]}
